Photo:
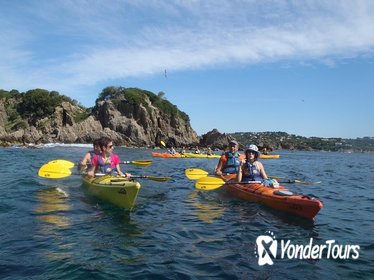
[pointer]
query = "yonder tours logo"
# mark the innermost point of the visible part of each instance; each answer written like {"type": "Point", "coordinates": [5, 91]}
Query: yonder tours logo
{"type": "Point", "coordinates": [267, 250]}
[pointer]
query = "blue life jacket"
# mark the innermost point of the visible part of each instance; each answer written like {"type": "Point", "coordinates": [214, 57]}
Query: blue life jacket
{"type": "Point", "coordinates": [104, 166]}
{"type": "Point", "coordinates": [251, 172]}
{"type": "Point", "coordinates": [232, 164]}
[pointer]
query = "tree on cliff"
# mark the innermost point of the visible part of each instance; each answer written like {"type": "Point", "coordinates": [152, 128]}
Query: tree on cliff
{"type": "Point", "coordinates": [40, 103]}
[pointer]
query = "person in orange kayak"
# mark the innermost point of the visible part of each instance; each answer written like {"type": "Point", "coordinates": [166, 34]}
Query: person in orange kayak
{"type": "Point", "coordinates": [172, 150]}
{"type": "Point", "coordinates": [251, 169]}
{"type": "Point", "coordinates": [107, 162]}
{"type": "Point", "coordinates": [229, 162]}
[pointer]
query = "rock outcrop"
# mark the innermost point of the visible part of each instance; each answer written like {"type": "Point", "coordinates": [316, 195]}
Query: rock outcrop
{"type": "Point", "coordinates": [144, 124]}
{"type": "Point", "coordinates": [216, 140]}
{"type": "Point", "coordinates": [129, 123]}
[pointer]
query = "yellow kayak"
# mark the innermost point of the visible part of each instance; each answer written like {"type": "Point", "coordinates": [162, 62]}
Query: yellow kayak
{"type": "Point", "coordinates": [184, 155]}
{"type": "Point", "coordinates": [114, 190]}
{"type": "Point", "coordinates": [193, 155]}
{"type": "Point", "coordinates": [269, 156]}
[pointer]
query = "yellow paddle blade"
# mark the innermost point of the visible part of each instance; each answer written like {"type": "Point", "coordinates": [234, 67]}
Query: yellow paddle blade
{"type": "Point", "coordinates": [142, 163]}
{"type": "Point", "coordinates": [195, 173]}
{"type": "Point", "coordinates": [163, 143]}
{"type": "Point", "coordinates": [54, 171]}
{"type": "Point", "coordinates": [209, 183]}
{"type": "Point", "coordinates": [62, 162]}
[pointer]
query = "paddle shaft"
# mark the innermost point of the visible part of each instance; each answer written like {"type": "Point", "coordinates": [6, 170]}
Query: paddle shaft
{"type": "Point", "coordinates": [70, 164]}
{"type": "Point", "coordinates": [153, 178]}
{"type": "Point", "coordinates": [51, 174]}
{"type": "Point", "coordinates": [54, 170]}
{"type": "Point", "coordinates": [136, 161]}
{"type": "Point", "coordinates": [196, 173]}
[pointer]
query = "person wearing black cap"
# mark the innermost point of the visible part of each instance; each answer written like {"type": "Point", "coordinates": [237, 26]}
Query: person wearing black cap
{"type": "Point", "coordinates": [229, 162]}
{"type": "Point", "coordinates": [86, 162]}
{"type": "Point", "coordinates": [252, 169]}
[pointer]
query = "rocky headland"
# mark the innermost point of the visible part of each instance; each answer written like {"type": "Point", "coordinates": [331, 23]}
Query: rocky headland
{"type": "Point", "coordinates": [133, 117]}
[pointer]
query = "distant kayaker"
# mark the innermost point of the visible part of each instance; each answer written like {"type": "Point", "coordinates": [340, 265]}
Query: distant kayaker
{"type": "Point", "coordinates": [172, 150]}
{"type": "Point", "coordinates": [107, 162]}
{"type": "Point", "coordinates": [197, 150]}
{"type": "Point", "coordinates": [209, 151]}
{"type": "Point", "coordinates": [251, 169]}
{"type": "Point", "coordinates": [182, 150]}
{"type": "Point", "coordinates": [229, 162]}
{"type": "Point", "coordinates": [86, 163]}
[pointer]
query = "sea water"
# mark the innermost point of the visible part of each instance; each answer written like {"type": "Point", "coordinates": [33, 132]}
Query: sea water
{"type": "Point", "coordinates": [52, 229]}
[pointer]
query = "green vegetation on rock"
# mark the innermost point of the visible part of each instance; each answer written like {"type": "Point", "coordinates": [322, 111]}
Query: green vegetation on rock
{"type": "Point", "coordinates": [39, 103]}
{"type": "Point", "coordinates": [81, 116]}
{"type": "Point", "coordinates": [137, 96]}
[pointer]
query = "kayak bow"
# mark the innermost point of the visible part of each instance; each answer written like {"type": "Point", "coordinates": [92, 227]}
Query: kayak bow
{"type": "Point", "coordinates": [120, 193]}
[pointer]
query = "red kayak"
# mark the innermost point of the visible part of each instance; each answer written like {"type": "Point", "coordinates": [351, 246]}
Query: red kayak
{"type": "Point", "coordinates": [280, 198]}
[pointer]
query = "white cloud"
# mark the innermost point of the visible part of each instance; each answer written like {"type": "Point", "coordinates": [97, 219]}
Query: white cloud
{"type": "Point", "coordinates": [91, 42]}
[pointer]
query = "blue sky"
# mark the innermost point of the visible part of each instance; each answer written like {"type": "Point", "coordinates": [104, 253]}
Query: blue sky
{"type": "Point", "coordinates": [302, 67]}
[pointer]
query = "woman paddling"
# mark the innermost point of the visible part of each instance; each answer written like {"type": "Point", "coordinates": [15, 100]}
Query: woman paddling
{"type": "Point", "coordinates": [107, 162]}
{"type": "Point", "coordinates": [251, 169]}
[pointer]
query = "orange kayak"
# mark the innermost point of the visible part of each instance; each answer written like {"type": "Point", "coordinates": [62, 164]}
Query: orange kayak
{"type": "Point", "coordinates": [278, 198]}
{"type": "Point", "coordinates": [242, 156]}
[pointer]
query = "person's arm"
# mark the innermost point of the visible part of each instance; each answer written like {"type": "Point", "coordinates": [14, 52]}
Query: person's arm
{"type": "Point", "coordinates": [95, 164]}
{"type": "Point", "coordinates": [262, 171]}
{"type": "Point", "coordinates": [116, 162]}
{"type": "Point", "coordinates": [119, 171]}
{"type": "Point", "coordinates": [219, 166]}
{"type": "Point", "coordinates": [92, 169]}
{"type": "Point", "coordinates": [85, 160]}
{"type": "Point", "coordinates": [240, 174]}
{"type": "Point", "coordinates": [127, 175]}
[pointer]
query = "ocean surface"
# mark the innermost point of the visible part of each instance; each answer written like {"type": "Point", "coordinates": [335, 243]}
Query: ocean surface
{"type": "Point", "coordinates": [51, 229]}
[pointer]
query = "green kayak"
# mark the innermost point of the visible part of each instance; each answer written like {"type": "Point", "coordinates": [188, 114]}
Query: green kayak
{"type": "Point", "coordinates": [114, 190]}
